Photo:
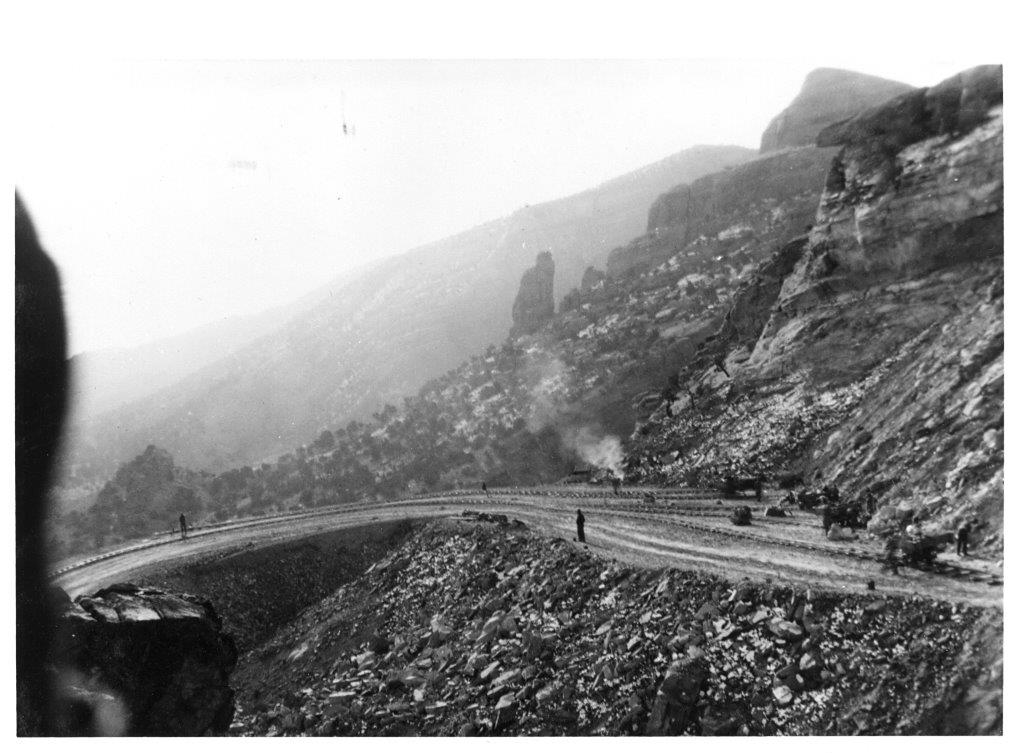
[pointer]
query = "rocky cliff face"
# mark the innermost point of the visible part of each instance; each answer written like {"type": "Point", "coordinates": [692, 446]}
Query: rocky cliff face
{"type": "Point", "coordinates": [828, 96]}
{"type": "Point", "coordinates": [535, 303]}
{"type": "Point", "coordinates": [776, 194]}
{"type": "Point", "coordinates": [918, 185]}
{"type": "Point", "coordinates": [143, 662]}
{"type": "Point", "coordinates": [878, 363]}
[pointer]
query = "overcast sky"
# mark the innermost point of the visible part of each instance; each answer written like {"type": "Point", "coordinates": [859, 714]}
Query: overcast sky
{"type": "Point", "coordinates": [175, 194]}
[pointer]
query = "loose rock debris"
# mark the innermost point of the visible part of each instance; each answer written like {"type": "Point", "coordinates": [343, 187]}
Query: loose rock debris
{"type": "Point", "coordinates": [474, 629]}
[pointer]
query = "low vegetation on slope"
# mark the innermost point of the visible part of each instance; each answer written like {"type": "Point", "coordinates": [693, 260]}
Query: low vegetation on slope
{"type": "Point", "coordinates": [473, 629]}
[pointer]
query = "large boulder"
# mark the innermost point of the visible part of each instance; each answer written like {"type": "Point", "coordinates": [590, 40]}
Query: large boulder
{"type": "Point", "coordinates": [535, 304]}
{"type": "Point", "coordinates": [143, 662]}
{"type": "Point", "coordinates": [828, 95]}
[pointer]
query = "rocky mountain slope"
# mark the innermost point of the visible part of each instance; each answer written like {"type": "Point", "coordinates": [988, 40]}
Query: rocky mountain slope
{"type": "Point", "coordinates": [470, 629]}
{"type": "Point", "coordinates": [869, 352]}
{"type": "Point", "coordinates": [380, 335]}
{"type": "Point", "coordinates": [528, 411]}
{"type": "Point", "coordinates": [831, 310]}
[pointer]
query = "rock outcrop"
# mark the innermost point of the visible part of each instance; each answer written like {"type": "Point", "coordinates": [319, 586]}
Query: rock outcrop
{"type": "Point", "coordinates": [776, 194]}
{"type": "Point", "coordinates": [592, 278]}
{"type": "Point", "coordinates": [918, 185]}
{"type": "Point", "coordinates": [878, 366]}
{"type": "Point", "coordinates": [828, 96]}
{"type": "Point", "coordinates": [143, 662]}
{"type": "Point", "coordinates": [757, 296]}
{"type": "Point", "coordinates": [535, 303]}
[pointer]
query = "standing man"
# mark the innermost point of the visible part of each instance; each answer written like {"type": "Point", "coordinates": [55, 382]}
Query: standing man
{"type": "Point", "coordinates": [580, 520]}
{"type": "Point", "coordinates": [484, 487]}
{"type": "Point", "coordinates": [892, 554]}
{"type": "Point", "coordinates": [962, 536]}
{"type": "Point", "coordinates": [616, 483]}
{"type": "Point", "coordinates": [184, 526]}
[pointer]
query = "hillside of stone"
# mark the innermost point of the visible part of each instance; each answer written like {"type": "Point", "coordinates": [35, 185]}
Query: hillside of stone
{"type": "Point", "coordinates": [566, 388]}
{"type": "Point", "coordinates": [476, 629]}
{"type": "Point", "coordinates": [529, 411]}
{"type": "Point", "coordinates": [869, 352]}
{"type": "Point", "coordinates": [761, 325]}
{"type": "Point", "coordinates": [378, 335]}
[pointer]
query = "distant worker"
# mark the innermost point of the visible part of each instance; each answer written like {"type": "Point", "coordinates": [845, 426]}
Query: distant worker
{"type": "Point", "coordinates": [580, 520]}
{"type": "Point", "coordinates": [962, 537]}
{"type": "Point", "coordinates": [616, 483]}
{"type": "Point", "coordinates": [826, 519]}
{"type": "Point", "coordinates": [484, 487]}
{"type": "Point", "coordinates": [892, 554]}
{"type": "Point", "coordinates": [871, 503]}
{"type": "Point", "coordinates": [759, 489]}
{"type": "Point", "coordinates": [184, 526]}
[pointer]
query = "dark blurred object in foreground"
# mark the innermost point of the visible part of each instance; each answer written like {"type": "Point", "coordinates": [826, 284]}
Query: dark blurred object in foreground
{"type": "Point", "coordinates": [139, 661]}
{"type": "Point", "coordinates": [40, 396]}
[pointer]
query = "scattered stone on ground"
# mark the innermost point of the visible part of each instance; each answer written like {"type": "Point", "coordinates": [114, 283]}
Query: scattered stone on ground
{"type": "Point", "coordinates": [476, 629]}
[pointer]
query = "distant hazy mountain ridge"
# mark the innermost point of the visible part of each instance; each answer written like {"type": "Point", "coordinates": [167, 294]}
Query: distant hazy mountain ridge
{"type": "Point", "coordinates": [379, 335]}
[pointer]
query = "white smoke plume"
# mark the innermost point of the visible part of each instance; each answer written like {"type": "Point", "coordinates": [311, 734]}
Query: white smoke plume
{"type": "Point", "coordinates": [549, 380]}
{"type": "Point", "coordinates": [599, 451]}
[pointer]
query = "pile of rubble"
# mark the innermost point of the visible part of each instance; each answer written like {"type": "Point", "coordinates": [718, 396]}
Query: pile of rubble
{"type": "Point", "coordinates": [472, 629]}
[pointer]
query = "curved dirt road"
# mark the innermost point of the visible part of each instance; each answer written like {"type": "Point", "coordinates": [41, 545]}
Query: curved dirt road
{"type": "Point", "coordinates": [688, 529]}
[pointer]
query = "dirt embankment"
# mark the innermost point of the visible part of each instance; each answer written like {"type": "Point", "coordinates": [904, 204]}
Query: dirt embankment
{"type": "Point", "coordinates": [257, 590]}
